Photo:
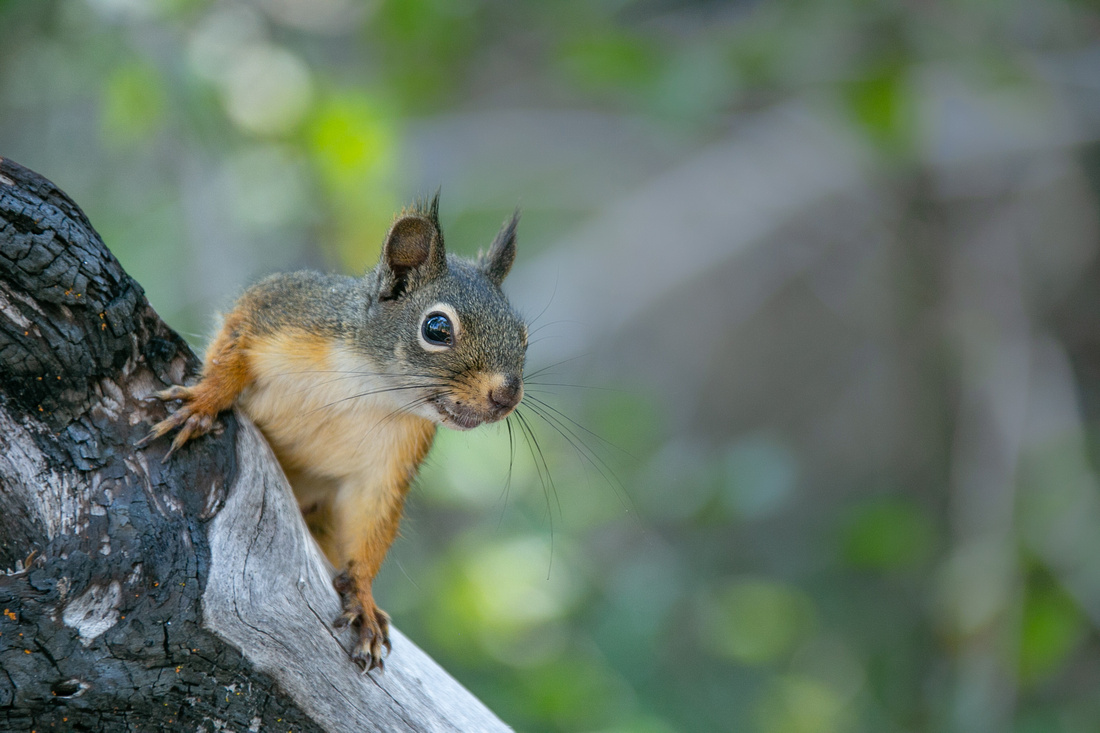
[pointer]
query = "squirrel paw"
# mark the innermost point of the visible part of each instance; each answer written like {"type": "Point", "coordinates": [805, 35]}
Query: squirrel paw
{"type": "Point", "coordinates": [190, 420]}
{"type": "Point", "coordinates": [373, 623]}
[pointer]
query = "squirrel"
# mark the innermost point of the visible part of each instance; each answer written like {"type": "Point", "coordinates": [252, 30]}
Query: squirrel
{"type": "Point", "coordinates": [348, 378]}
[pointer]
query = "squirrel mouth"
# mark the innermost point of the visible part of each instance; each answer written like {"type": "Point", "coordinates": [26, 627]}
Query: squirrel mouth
{"type": "Point", "coordinates": [457, 417]}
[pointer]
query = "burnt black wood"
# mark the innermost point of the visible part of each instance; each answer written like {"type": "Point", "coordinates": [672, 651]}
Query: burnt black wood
{"type": "Point", "coordinates": [80, 348]}
{"type": "Point", "coordinates": [141, 595]}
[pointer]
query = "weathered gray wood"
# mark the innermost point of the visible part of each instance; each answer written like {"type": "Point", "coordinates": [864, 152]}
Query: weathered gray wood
{"type": "Point", "coordinates": [136, 595]}
{"type": "Point", "coordinates": [270, 594]}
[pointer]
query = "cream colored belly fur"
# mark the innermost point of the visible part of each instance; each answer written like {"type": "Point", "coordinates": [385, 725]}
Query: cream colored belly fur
{"type": "Point", "coordinates": [315, 406]}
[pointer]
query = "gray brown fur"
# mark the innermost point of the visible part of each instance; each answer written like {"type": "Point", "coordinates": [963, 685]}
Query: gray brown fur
{"type": "Point", "coordinates": [423, 339]}
{"type": "Point", "coordinates": [379, 313]}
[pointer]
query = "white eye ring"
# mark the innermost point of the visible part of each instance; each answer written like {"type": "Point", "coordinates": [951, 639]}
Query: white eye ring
{"type": "Point", "coordinates": [456, 327]}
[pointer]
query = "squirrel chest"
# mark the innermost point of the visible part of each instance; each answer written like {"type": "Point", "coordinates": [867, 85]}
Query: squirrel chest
{"type": "Point", "coordinates": [327, 414]}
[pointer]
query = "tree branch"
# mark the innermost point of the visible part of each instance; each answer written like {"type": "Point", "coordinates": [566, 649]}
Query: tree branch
{"type": "Point", "coordinates": [140, 594]}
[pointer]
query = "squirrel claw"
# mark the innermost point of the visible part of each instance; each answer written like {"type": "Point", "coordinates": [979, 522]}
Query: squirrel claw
{"type": "Point", "coordinates": [190, 422]}
{"type": "Point", "coordinates": [175, 392]}
{"type": "Point", "coordinates": [169, 452]}
{"type": "Point", "coordinates": [193, 426]}
{"type": "Point", "coordinates": [373, 623]}
{"type": "Point", "coordinates": [368, 651]}
{"type": "Point", "coordinates": [373, 635]}
{"type": "Point", "coordinates": [367, 660]}
{"type": "Point", "coordinates": [345, 620]}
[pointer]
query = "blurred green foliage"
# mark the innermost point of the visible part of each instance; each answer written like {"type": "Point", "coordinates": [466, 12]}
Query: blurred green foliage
{"type": "Point", "coordinates": [1051, 630]}
{"type": "Point", "coordinates": [756, 621]}
{"type": "Point", "coordinates": [646, 577]}
{"type": "Point", "coordinates": [885, 535]}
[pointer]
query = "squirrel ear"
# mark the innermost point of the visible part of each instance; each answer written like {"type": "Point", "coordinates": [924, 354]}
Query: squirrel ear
{"type": "Point", "coordinates": [414, 243]}
{"type": "Point", "coordinates": [502, 252]}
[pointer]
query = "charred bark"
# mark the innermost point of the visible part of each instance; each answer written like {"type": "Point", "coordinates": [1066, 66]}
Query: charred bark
{"type": "Point", "coordinates": [137, 594]}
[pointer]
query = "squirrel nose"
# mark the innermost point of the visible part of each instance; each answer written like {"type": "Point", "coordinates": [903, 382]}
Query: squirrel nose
{"type": "Point", "coordinates": [506, 395]}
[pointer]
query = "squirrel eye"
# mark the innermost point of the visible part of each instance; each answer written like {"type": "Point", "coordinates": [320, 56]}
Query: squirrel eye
{"type": "Point", "coordinates": [437, 330]}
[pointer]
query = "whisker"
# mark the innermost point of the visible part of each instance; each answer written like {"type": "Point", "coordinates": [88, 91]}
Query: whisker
{"type": "Point", "coordinates": [551, 366]}
{"type": "Point", "coordinates": [350, 372]}
{"type": "Point", "coordinates": [540, 340]}
{"type": "Point", "coordinates": [561, 415]}
{"type": "Point", "coordinates": [345, 375]}
{"type": "Point", "coordinates": [548, 303]}
{"type": "Point", "coordinates": [406, 574]}
{"type": "Point", "coordinates": [311, 387]}
{"type": "Point", "coordinates": [545, 464]}
{"type": "Point", "coordinates": [405, 408]}
{"type": "Point", "coordinates": [371, 392]}
{"type": "Point", "coordinates": [551, 323]}
{"type": "Point", "coordinates": [586, 452]}
{"type": "Point", "coordinates": [578, 386]}
{"type": "Point", "coordinates": [547, 481]}
{"type": "Point", "coordinates": [511, 462]}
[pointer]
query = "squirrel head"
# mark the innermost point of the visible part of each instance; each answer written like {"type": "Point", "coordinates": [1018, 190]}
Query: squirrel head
{"type": "Point", "coordinates": [450, 335]}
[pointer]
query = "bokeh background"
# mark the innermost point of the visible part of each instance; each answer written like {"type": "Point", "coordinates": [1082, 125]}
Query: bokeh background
{"type": "Point", "coordinates": [814, 285]}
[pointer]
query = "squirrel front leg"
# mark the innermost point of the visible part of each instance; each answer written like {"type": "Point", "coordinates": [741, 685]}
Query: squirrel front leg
{"type": "Point", "coordinates": [225, 374]}
{"type": "Point", "coordinates": [365, 528]}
